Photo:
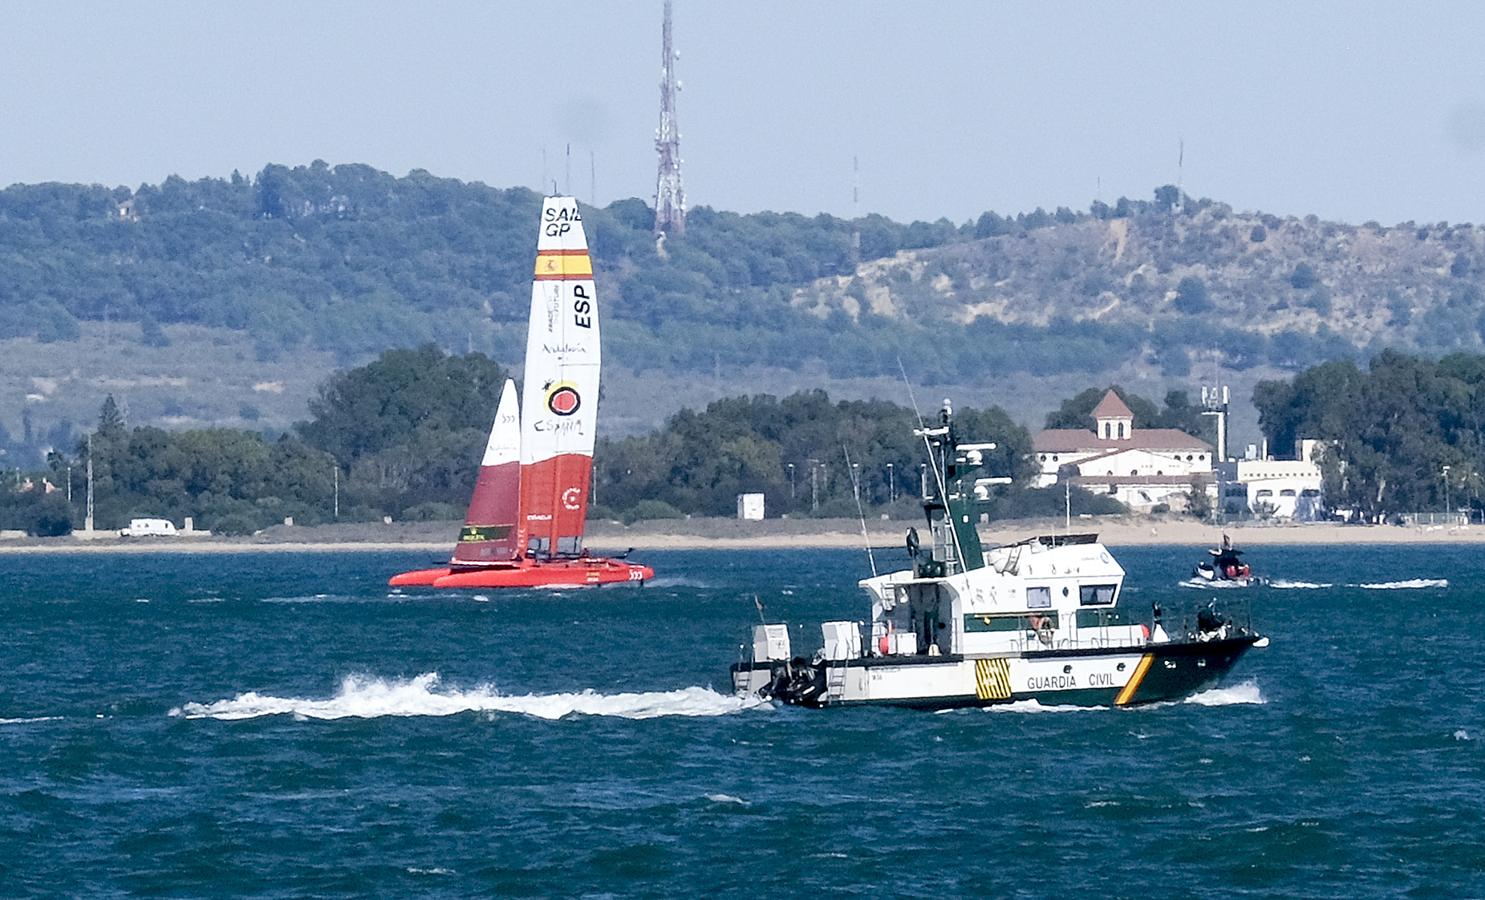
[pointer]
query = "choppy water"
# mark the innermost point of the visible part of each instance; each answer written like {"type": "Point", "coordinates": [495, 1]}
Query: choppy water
{"type": "Point", "coordinates": [283, 725]}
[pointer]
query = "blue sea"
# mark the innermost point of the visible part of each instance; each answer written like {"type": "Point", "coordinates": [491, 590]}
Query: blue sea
{"type": "Point", "coordinates": [283, 725]}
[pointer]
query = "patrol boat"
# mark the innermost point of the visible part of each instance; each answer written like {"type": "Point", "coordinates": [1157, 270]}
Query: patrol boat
{"type": "Point", "coordinates": [1041, 619]}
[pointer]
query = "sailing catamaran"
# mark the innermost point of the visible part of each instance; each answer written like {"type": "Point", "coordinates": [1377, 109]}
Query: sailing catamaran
{"type": "Point", "coordinates": [525, 522]}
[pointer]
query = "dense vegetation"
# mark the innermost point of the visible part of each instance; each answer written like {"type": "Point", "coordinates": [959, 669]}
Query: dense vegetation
{"type": "Point", "coordinates": [1177, 413]}
{"type": "Point", "coordinates": [354, 260]}
{"type": "Point", "coordinates": [1400, 435]}
{"type": "Point", "coordinates": [402, 436]}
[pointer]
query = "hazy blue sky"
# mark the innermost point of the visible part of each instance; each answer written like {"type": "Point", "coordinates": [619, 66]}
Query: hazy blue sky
{"type": "Point", "coordinates": [1353, 111]}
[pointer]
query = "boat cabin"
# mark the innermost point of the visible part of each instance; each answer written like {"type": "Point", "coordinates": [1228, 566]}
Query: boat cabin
{"type": "Point", "coordinates": [1048, 592]}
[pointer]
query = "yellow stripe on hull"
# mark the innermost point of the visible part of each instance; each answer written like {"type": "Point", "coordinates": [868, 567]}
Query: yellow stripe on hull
{"type": "Point", "coordinates": [556, 264]}
{"type": "Point", "coordinates": [1127, 693]}
{"type": "Point", "coordinates": [992, 679]}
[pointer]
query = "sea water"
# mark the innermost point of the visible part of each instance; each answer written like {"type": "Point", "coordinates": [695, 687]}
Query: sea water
{"type": "Point", "coordinates": [286, 725]}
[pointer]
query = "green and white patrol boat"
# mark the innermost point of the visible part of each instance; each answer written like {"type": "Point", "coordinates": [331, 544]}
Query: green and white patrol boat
{"type": "Point", "coordinates": [1041, 619]}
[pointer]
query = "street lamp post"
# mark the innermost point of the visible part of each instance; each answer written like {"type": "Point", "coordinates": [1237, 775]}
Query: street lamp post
{"type": "Point", "coordinates": [891, 484]}
{"type": "Point", "coordinates": [791, 480]}
{"type": "Point", "coordinates": [856, 481]}
{"type": "Point", "coordinates": [814, 489]}
{"type": "Point", "coordinates": [1447, 511]}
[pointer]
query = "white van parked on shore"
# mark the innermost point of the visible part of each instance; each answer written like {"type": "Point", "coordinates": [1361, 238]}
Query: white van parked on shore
{"type": "Point", "coordinates": [149, 528]}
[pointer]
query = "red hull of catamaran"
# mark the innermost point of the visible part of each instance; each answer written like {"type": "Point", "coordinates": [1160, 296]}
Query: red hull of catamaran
{"type": "Point", "coordinates": [419, 577]}
{"type": "Point", "coordinates": [532, 574]}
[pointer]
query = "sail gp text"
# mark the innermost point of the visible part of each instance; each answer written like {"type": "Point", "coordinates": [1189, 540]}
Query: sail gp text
{"type": "Point", "coordinates": [559, 220]}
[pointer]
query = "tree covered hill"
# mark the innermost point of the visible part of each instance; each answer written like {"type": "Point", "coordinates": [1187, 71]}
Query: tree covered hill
{"type": "Point", "coordinates": [342, 262]}
{"type": "Point", "coordinates": [354, 260]}
{"type": "Point", "coordinates": [1165, 280]}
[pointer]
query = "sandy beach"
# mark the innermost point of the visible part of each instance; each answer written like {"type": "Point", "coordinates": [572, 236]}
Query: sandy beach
{"type": "Point", "coordinates": [435, 538]}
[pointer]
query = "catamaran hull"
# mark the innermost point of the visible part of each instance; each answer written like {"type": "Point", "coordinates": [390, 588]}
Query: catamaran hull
{"type": "Point", "coordinates": [581, 572]}
{"type": "Point", "coordinates": [419, 577]}
{"type": "Point", "coordinates": [1085, 677]}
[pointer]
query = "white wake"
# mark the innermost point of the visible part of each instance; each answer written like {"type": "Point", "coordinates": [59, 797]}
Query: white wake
{"type": "Point", "coordinates": [369, 698]}
{"type": "Point", "coordinates": [1235, 695]}
{"type": "Point", "coordinates": [1285, 585]}
{"type": "Point", "coordinates": [1032, 706]}
{"type": "Point", "coordinates": [1202, 583]}
{"type": "Point", "coordinates": [1410, 584]}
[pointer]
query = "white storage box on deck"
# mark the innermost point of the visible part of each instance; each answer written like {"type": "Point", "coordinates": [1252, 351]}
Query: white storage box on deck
{"type": "Point", "coordinates": [770, 642]}
{"type": "Point", "coordinates": [905, 643]}
{"type": "Point", "coordinates": [842, 640]}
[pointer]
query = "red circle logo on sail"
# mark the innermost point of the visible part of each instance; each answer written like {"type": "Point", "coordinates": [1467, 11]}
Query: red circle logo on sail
{"type": "Point", "coordinates": [563, 399]}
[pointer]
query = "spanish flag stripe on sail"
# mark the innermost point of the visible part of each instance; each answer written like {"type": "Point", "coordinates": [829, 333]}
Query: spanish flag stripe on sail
{"type": "Point", "coordinates": [992, 679]}
{"type": "Point", "coordinates": [560, 264]}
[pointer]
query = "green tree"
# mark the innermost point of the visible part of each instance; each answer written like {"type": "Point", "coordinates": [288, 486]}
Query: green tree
{"type": "Point", "coordinates": [1191, 295]}
{"type": "Point", "coordinates": [1303, 277]}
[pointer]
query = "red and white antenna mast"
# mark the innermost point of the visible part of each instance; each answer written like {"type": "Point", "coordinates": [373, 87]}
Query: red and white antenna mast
{"type": "Point", "coordinates": [670, 195]}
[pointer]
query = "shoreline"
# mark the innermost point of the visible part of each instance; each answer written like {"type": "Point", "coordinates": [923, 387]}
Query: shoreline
{"type": "Point", "coordinates": [727, 534]}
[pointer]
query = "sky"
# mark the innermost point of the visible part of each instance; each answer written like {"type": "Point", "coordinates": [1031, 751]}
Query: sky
{"type": "Point", "coordinates": [1352, 111]}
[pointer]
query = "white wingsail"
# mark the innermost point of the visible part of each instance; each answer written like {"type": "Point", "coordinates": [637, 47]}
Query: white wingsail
{"type": "Point", "coordinates": [560, 395]}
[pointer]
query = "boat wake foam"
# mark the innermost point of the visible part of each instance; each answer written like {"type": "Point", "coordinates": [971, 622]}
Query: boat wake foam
{"type": "Point", "coordinates": [1234, 695]}
{"type": "Point", "coordinates": [727, 798]}
{"type": "Point", "coordinates": [1032, 706]}
{"type": "Point", "coordinates": [369, 698]}
{"type": "Point", "coordinates": [1409, 584]}
{"type": "Point", "coordinates": [30, 720]}
{"type": "Point", "coordinates": [1281, 584]}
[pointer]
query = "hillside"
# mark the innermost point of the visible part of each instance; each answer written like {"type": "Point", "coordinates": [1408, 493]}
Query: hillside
{"type": "Point", "coordinates": [1171, 284]}
{"type": "Point", "coordinates": [229, 300]}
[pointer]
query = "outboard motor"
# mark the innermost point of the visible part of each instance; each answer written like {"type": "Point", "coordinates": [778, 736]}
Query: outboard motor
{"type": "Point", "coordinates": [799, 683]}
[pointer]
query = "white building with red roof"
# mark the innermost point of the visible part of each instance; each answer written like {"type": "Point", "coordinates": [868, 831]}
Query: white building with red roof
{"type": "Point", "coordinates": [1139, 467]}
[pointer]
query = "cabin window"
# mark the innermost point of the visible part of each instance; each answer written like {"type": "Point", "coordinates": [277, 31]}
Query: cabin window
{"type": "Point", "coordinates": [1309, 492]}
{"type": "Point", "coordinates": [1264, 492]}
{"type": "Point", "coordinates": [1287, 492]}
{"type": "Point", "coordinates": [1097, 618]}
{"type": "Point", "coordinates": [983, 623]}
{"type": "Point", "coordinates": [1096, 594]}
{"type": "Point", "coordinates": [1038, 598]}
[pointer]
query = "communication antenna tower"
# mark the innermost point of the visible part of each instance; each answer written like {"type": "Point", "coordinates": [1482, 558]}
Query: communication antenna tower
{"type": "Point", "coordinates": [670, 195]}
{"type": "Point", "coordinates": [1180, 172]}
{"type": "Point", "coordinates": [856, 210]}
{"type": "Point", "coordinates": [1214, 402]}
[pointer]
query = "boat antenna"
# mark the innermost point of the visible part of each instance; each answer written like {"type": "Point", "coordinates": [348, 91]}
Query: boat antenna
{"type": "Point", "coordinates": [938, 475]}
{"type": "Point", "coordinates": [860, 511]}
{"type": "Point", "coordinates": [909, 385]}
